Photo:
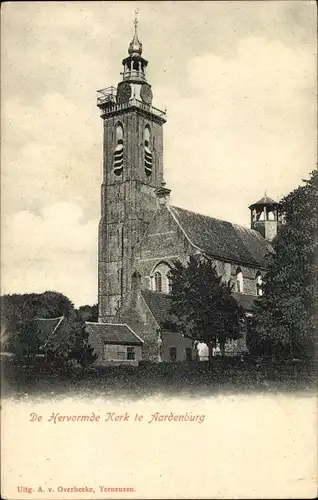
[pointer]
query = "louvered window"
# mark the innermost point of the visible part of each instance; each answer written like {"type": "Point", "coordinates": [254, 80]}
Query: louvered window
{"type": "Point", "coordinates": [118, 160]}
{"type": "Point", "coordinates": [147, 152]}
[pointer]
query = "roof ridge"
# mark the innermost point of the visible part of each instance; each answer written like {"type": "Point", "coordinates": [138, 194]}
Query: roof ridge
{"type": "Point", "coordinates": [171, 210]}
{"type": "Point", "coordinates": [214, 218]}
{"type": "Point", "coordinates": [134, 333]}
{"type": "Point", "coordinates": [155, 292]}
{"type": "Point", "coordinates": [147, 305]}
{"type": "Point", "coordinates": [50, 319]}
{"type": "Point", "coordinates": [102, 323]}
{"type": "Point", "coordinates": [54, 330]}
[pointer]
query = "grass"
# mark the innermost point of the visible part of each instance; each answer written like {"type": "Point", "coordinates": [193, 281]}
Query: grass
{"type": "Point", "coordinates": [187, 379]}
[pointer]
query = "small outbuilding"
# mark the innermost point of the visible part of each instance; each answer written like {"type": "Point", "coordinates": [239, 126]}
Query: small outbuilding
{"type": "Point", "coordinates": [114, 344]}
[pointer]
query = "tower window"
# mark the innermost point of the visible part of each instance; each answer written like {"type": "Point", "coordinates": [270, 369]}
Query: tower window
{"type": "Point", "coordinates": [147, 152]}
{"type": "Point", "coordinates": [259, 283]}
{"type": "Point", "coordinates": [158, 281]}
{"type": "Point", "coordinates": [119, 151]}
{"type": "Point", "coordinates": [239, 280]}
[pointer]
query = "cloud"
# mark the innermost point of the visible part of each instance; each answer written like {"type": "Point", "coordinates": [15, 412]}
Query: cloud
{"type": "Point", "coordinates": [248, 126]}
{"type": "Point", "coordinates": [239, 83]}
{"type": "Point", "coordinates": [53, 249]}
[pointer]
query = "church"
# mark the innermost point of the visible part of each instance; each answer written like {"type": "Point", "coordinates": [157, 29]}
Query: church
{"type": "Point", "coordinates": [141, 234]}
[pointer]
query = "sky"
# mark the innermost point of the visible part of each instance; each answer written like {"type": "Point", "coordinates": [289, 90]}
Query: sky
{"type": "Point", "coordinates": [238, 80]}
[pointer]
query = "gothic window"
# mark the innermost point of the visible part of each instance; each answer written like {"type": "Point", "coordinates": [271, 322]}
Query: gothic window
{"type": "Point", "coordinates": [119, 150]}
{"type": "Point", "coordinates": [259, 283]}
{"type": "Point", "coordinates": [161, 278]}
{"type": "Point", "coordinates": [239, 280]}
{"type": "Point", "coordinates": [158, 281]}
{"type": "Point", "coordinates": [148, 153]}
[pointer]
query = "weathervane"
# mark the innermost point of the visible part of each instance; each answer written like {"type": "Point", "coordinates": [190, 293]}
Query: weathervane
{"type": "Point", "coordinates": [136, 18]}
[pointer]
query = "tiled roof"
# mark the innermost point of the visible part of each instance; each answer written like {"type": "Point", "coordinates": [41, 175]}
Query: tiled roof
{"type": "Point", "coordinates": [266, 200]}
{"type": "Point", "coordinates": [113, 333]}
{"type": "Point", "coordinates": [160, 303]}
{"type": "Point", "coordinates": [222, 239]}
{"type": "Point", "coordinates": [244, 300]}
{"type": "Point", "coordinates": [47, 327]}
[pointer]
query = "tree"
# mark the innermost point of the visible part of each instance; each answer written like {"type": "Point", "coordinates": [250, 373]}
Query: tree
{"type": "Point", "coordinates": [286, 313]}
{"type": "Point", "coordinates": [22, 308]}
{"type": "Point", "coordinates": [70, 343]}
{"type": "Point", "coordinates": [203, 304]}
{"type": "Point", "coordinates": [88, 313]}
{"type": "Point", "coordinates": [25, 343]}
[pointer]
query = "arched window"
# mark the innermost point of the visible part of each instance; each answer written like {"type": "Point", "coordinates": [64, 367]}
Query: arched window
{"type": "Point", "coordinates": [119, 150]}
{"type": "Point", "coordinates": [239, 280]}
{"type": "Point", "coordinates": [161, 278]}
{"type": "Point", "coordinates": [259, 283]}
{"type": "Point", "coordinates": [148, 153]}
{"type": "Point", "coordinates": [158, 281]}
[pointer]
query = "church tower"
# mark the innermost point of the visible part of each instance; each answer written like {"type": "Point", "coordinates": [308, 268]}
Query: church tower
{"type": "Point", "coordinates": [132, 171]}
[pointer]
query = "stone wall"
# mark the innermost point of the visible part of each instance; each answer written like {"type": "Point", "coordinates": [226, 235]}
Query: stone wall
{"type": "Point", "coordinates": [97, 343]}
{"type": "Point", "coordinates": [166, 242]}
{"type": "Point", "coordinates": [128, 203]}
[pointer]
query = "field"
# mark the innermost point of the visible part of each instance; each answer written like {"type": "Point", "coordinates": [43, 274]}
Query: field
{"type": "Point", "coordinates": [176, 379]}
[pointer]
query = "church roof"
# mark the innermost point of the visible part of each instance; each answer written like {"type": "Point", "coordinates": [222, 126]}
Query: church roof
{"type": "Point", "coordinates": [160, 304]}
{"type": "Point", "coordinates": [114, 333]}
{"type": "Point", "coordinates": [245, 300]}
{"type": "Point", "coordinates": [223, 239]}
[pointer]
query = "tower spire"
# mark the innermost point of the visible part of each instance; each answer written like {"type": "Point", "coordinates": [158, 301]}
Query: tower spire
{"type": "Point", "coordinates": [135, 46]}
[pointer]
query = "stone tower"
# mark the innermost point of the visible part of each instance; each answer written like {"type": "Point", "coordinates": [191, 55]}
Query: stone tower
{"type": "Point", "coordinates": [132, 171]}
{"type": "Point", "coordinates": [265, 217]}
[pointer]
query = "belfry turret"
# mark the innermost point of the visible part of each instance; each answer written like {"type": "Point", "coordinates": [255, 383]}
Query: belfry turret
{"type": "Point", "coordinates": [265, 217]}
{"type": "Point", "coordinates": [132, 171]}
